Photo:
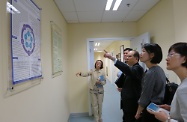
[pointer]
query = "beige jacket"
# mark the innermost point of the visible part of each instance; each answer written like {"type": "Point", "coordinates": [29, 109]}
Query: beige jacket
{"type": "Point", "coordinates": [94, 75]}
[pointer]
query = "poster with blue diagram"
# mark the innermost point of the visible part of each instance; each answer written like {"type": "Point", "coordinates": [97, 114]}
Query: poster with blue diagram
{"type": "Point", "coordinates": [25, 41]}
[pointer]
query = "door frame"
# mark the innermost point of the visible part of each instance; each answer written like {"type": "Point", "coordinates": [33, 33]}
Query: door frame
{"type": "Point", "coordinates": [89, 56]}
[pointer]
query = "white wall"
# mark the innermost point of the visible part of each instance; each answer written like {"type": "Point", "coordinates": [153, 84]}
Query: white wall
{"type": "Point", "coordinates": [48, 101]}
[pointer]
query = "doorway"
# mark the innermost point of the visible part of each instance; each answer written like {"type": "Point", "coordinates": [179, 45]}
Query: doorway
{"type": "Point", "coordinates": [135, 43]}
{"type": "Point", "coordinates": [90, 58]}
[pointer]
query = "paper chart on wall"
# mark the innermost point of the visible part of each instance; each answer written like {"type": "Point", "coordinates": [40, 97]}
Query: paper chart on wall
{"type": "Point", "coordinates": [56, 35]}
{"type": "Point", "coordinates": [25, 41]}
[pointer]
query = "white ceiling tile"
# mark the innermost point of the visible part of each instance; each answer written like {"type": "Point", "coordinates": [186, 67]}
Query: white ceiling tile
{"type": "Point", "coordinates": [90, 5]}
{"type": "Point", "coordinates": [90, 16]}
{"type": "Point", "coordinates": [145, 4]}
{"type": "Point", "coordinates": [93, 10]}
{"type": "Point", "coordinates": [134, 15]}
{"type": "Point", "coordinates": [70, 16]}
{"type": "Point", "coordinates": [65, 5]}
{"type": "Point", "coordinates": [114, 15]}
{"type": "Point", "coordinates": [124, 3]}
{"type": "Point", "coordinates": [81, 11]}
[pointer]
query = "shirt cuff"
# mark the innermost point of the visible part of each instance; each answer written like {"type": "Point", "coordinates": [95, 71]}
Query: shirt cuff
{"type": "Point", "coordinates": [115, 60]}
{"type": "Point", "coordinates": [172, 120]}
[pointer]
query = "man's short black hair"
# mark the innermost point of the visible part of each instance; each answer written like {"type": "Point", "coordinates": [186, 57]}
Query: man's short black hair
{"type": "Point", "coordinates": [129, 49]}
{"type": "Point", "coordinates": [136, 54]}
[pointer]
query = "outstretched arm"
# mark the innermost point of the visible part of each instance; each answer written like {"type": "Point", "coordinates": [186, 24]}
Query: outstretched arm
{"type": "Point", "coordinates": [108, 55]}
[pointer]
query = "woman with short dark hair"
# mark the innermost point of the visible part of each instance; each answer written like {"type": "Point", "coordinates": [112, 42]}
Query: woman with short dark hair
{"type": "Point", "coordinates": [153, 83]}
{"type": "Point", "coordinates": [177, 62]}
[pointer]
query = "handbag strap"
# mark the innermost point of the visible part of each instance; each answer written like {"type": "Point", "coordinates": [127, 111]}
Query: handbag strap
{"type": "Point", "coordinates": [167, 80]}
{"type": "Point", "coordinates": [168, 84]}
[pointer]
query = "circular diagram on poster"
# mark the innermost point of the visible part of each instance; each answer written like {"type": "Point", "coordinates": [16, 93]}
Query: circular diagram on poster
{"type": "Point", "coordinates": [27, 39]}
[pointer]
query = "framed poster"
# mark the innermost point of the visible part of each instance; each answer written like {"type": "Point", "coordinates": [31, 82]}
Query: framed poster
{"type": "Point", "coordinates": [56, 41]}
{"type": "Point", "coordinates": [121, 53]}
{"type": "Point", "coordinates": [25, 46]}
{"type": "Point", "coordinates": [25, 41]}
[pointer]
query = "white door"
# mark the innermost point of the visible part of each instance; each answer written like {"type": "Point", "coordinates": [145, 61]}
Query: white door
{"type": "Point", "coordinates": [137, 42]}
{"type": "Point", "coordinates": [91, 66]}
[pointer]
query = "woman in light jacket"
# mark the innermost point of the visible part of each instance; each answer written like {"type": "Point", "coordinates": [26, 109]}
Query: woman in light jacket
{"type": "Point", "coordinates": [98, 79]}
{"type": "Point", "coordinates": [177, 62]}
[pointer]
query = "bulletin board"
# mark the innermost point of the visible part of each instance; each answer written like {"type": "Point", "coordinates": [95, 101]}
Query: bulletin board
{"type": "Point", "coordinates": [25, 44]}
{"type": "Point", "coordinates": [56, 42]}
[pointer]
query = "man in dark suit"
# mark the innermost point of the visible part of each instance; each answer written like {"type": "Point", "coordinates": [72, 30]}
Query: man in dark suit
{"type": "Point", "coordinates": [131, 89]}
{"type": "Point", "coordinates": [120, 75]}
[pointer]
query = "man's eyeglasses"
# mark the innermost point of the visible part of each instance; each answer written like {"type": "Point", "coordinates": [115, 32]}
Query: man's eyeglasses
{"type": "Point", "coordinates": [172, 54]}
{"type": "Point", "coordinates": [129, 56]}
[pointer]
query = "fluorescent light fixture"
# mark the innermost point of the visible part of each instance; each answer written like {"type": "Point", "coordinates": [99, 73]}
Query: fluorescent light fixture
{"type": "Point", "coordinates": [108, 5]}
{"type": "Point", "coordinates": [97, 44]}
{"type": "Point", "coordinates": [116, 5]}
{"type": "Point", "coordinates": [95, 48]}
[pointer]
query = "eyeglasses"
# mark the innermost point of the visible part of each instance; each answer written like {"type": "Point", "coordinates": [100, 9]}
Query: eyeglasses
{"type": "Point", "coordinates": [172, 54]}
{"type": "Point", "coordinates": [129, 56]}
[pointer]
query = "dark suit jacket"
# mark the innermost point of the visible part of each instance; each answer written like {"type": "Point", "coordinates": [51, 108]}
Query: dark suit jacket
{"type": "Point", "coordinates": [131, 89]}
{"type": "Point", "coordinates": [119, 81]}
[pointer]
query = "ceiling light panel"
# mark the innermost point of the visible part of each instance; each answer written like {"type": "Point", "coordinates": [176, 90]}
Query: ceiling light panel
{"type": "Point", "coordinates": [116, 5]}
{"type": "Point", "coordinates": [108, 5]}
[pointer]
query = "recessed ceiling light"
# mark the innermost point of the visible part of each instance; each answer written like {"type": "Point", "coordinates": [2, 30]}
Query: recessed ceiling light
{"type": "Point", "coordinates": [108, 5]}
{"type": "Point", "coordinates": [116, 5]}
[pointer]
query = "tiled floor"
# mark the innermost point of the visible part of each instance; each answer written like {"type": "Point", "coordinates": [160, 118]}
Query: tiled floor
{"type": "Point", "coordinates": [111, 107]}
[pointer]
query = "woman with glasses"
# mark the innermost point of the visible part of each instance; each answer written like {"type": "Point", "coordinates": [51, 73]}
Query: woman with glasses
{"type": "Point", "coordinates": [153, 83]}
{"type": "Point", "coordinates": [177, 62]}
